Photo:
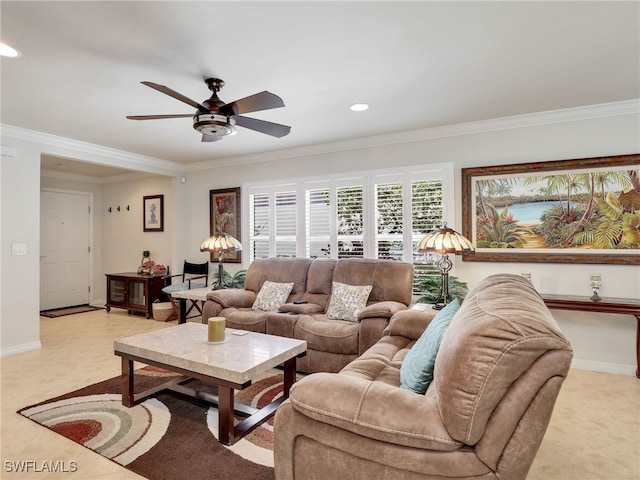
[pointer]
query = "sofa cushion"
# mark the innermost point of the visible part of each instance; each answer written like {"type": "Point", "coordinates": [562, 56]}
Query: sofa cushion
{"type": "Point", "coordinates": [347, 301]}
{"type": "Point", "coordinates": [391, 279]}
{"type": "Point", "coordinates": [326, 335]}
{"type": "Point", "coordinates": [502, 328]}
{"type": "Point", "coordinates": [272, 295]}
{"type": "Point", "coordinates": [279, 270]}
{"type": "Point", "coordinates": [245, 319]}
{"type": "Point", "coordinates": [416, 372]}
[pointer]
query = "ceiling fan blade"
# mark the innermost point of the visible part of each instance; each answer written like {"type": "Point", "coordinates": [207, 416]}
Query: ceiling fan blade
{"type": "Point", "coordinates": [176, 95]}
{"type": "Point", "coordinates": [158, 117]}
{"type": "Point", "coordinates": [270, 128]}
{"type": "Point", "coordinates": [254, 103]}
{"type": "Point", "coordinates": [210, 138]}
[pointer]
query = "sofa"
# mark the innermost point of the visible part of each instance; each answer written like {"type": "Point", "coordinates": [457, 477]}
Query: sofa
{"type": "Point", "coordinates": [333, 341]}
{"type": "Point", "coordinates": [497, 373]}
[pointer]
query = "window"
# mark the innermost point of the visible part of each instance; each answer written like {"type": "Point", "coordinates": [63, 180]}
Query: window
{"type": "Point", "coordinates": [380, 214]}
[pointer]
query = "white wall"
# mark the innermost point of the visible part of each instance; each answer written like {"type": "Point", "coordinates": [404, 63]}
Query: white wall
{"type": "Point", "coordinates": [600, 341]}
{"type": "Point", "coordinates": [123, 234]}
{"type": "Point", "coordinates": [20, 218]}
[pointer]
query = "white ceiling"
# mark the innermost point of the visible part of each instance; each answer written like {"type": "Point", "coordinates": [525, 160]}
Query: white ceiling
{"type": "Point", "coordinates": [418, 64]}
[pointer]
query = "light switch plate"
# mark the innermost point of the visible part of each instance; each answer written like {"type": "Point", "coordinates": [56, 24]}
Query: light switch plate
{"type": "Point", "coordinates": [18, 249]}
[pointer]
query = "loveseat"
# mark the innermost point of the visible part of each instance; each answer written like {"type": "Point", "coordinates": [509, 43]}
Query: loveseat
{"type": "Point", "coordinates": [331, 342]}
{"type": "Point", "coordinates": [497, 373]}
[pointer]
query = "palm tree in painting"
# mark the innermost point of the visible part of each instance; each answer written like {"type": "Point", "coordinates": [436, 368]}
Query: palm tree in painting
{"type": "Point", "coordinates": [488, 189]}
{"type": "Point", "coordinates": [604, 179]}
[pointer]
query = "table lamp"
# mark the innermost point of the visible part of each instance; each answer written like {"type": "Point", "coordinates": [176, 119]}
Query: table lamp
{"type": "Point", "coordinates": [445, 241]}
{"type": "Point", "coordinates": [220, 243]}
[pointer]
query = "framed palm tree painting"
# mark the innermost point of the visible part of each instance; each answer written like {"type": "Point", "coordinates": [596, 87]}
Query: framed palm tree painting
{"type": "Point", "coordinates": [224, 216]}
{"type": "Point", "coordinates": [572, 211]}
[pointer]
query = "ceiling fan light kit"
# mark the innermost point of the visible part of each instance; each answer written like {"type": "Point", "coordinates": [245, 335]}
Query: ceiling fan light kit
{"type": "Point", "coordinates": [216, 119]}
{"type": "Point", "coordinates": [214, 124]}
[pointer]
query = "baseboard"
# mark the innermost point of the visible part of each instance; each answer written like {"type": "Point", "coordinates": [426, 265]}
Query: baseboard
{"type": "Point", "coordinates": [25, 347]}
{"type": "Point", "coordinates": [605, 367]}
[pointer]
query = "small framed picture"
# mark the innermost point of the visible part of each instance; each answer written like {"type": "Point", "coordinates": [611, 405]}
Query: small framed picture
{"type": "Point", "coordinates": [153, 213]}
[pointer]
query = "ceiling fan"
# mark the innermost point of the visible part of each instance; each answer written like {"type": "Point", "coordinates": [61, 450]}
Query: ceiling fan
{"type": "Point", "coordinates": [216, 119]}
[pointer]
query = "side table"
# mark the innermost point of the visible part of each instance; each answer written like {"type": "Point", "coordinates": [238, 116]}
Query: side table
{"type": "Point", "coordinates": [133, 292]}
{"type": "Point", "coordinates": [194, 295]}
{"type": "Point", "coordinates": [623, 306]}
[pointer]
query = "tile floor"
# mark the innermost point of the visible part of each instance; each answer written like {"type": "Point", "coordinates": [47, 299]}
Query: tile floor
{"type": "Point", "coordinates": [594, 433]}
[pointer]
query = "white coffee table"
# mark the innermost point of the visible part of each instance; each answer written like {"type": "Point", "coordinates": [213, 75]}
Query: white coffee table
{"type": "Point", "coordinates": [230, 366]}
{"type": "Point", "coordinates": [195, 294]}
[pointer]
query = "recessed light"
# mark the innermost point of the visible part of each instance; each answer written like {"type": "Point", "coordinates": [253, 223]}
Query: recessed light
{"type": "Point", "coordinates": [359, 107]}
{"type": "Point", "coordinates": [7, 51]}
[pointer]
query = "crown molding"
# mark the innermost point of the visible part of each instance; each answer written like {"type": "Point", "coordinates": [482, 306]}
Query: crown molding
{"type": "Point", "coordinates": [156, 166]}
{"type": "Point", "coordinates": [97, 180]}
{"type": "Point", "coordinates": [588, 112]}
{"type": "Point", "coordinates": [113, 157]}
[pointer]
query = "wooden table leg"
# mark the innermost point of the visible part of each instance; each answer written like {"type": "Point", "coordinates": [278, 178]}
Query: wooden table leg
{"type": "Point", "coordinates": [183, 310]}
{"type": "Point", "coordinates": [289, 376]}
{"type": "Point", "coordinates": [127, 383]}
{"type": "Point", "coordinates": [638, 347]}
{"type": "Point", "coordinates": [225, 415]}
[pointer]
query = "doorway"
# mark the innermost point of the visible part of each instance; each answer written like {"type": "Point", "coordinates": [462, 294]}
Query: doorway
{"type": "Point", "coordinates": [64, 248]}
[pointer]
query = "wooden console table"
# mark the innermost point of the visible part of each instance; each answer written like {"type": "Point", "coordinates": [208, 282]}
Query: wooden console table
{"type": "Point", "coordinates": [133, 292]}
{"type": "Point", "coordinates": [622, 306]}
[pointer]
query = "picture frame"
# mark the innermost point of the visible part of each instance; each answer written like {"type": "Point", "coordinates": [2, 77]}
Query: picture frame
{"type": "Point", "coordinates": [224, 216]}
{"type": "Point", "coordinates": [153, 213]}
{"type": "Point", "coordinates": [563, 211]}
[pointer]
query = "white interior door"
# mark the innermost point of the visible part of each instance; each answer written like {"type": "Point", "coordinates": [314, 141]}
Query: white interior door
{"type": "Point", "coordinates": [64, 249]}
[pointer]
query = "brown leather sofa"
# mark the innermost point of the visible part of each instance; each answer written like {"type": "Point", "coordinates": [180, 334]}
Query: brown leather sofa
{"type": "Point", "coordinates": [331, 343]}
{"type": "Point", "coordinates": [497, 374]}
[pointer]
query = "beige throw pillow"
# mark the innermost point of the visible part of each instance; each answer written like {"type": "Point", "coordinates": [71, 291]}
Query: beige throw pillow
{"type": "Point", "coordinates": [347, 301]}
{"type": "Point", "coordinates": [272, 295]}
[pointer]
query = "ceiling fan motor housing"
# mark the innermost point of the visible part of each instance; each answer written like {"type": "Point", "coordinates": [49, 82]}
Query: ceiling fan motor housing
{"type": "Point", "coordinates": [214, 124]}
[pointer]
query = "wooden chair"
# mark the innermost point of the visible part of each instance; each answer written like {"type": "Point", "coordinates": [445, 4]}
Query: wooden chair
{"type": "Point", "coordinates": [194, 275]}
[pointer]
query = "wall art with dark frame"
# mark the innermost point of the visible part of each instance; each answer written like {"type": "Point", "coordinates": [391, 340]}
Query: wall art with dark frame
{"type": "Point", "coordinates": [153, 213]}
{"type": "Point", "coordinates": [563, 211]}
{"type": "Point", "coordinates": [224, 216]}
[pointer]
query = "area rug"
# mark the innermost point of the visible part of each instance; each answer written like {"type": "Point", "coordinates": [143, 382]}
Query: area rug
{"type": "Point", "coordinates": [166, 437]}
{"type": "Point", "coordinates": [61, 312]}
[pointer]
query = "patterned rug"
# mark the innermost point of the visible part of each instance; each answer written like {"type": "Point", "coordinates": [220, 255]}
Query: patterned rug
{"type": "Point", "coordinates": [166, 437]}
{"type": "Point", "coordinates": [61, 312]}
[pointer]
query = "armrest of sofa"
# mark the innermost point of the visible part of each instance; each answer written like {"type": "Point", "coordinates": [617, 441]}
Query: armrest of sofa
{"type": "Point", "coordinates": [301, 308]}
{"type": "Point", "coordinates": [373, 409]}
{"type": "Point", "coordinates": [373, 321]}
{"type": "Point", "coordinates": [384, 309]}
{"type": "Point", "coordinates": [410, 323]}
{"type": "Point", "coordinates": [232, 297]}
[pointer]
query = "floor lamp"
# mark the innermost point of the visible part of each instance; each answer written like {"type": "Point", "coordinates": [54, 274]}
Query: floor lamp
{"type": "Point", "coordinates": [221, 243]}
{"type": "Point", "coordinates": [445, 241]}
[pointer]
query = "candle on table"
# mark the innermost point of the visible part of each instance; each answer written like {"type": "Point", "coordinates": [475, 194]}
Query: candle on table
{"type": "Point", "coordinates": [216, 329]}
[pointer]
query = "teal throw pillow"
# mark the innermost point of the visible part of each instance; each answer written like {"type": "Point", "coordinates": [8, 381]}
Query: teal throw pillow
{"type": "Point", "coordinates": [416, 371]}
